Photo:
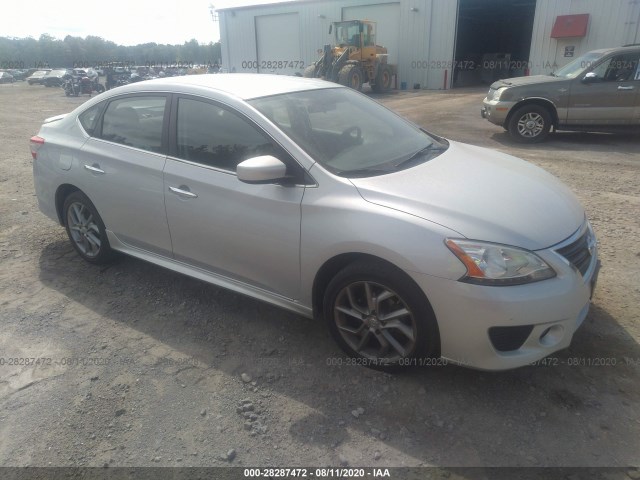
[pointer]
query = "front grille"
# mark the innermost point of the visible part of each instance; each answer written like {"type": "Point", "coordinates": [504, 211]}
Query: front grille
{"type": "Point", "coordinates": [578, 253]}
{"type": "Point", "coordinates": [506, 339]}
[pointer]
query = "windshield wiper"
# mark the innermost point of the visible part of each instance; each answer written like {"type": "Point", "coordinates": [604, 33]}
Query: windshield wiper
{"type": "Point", "coordinates": [419, 154]}
{"type": "Point", "coordinates": [364, 172]}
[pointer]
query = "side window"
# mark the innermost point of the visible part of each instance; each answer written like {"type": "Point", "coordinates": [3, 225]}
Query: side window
{"type": "Point", "coordinates": [216, 137]}
{"type": "Point", "coordinates": [621, 68]}
{"type": "Point", "coordinates": [89, 118]}
{"type": "Point", "coordinates": [135, 122]}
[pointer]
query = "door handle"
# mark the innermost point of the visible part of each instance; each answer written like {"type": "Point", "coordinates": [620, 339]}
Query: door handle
{"type": "Point", "coordinates": [183, 191]}
{"type": "Point", "coordinates": [625, 88]}
{"type": "Point", "coordinates": [94, 168]}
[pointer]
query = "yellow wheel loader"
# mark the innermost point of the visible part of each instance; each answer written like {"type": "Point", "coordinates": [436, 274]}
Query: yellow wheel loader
{"type": "Point", "coordinates": [355, 58]}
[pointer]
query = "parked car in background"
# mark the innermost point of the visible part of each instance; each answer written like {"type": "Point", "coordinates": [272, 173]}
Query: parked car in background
{"type": "Point", "coordinates": [597, 92]}
{"type": "Point", "coordinates": [315, 198]}
{"type": "Point", "coordinates": [55, 77]}
{"type": "Point", "coordinates": [6, 77]}
{"type": "Point", "coordinates": [36, 77]}
{"type": "Point", "coordinates": [18, 75]}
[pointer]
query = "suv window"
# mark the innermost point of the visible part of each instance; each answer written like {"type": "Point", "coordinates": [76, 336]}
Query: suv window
{"type": "Point", "coordinates": [216, 137]}
{"type": "Point", "coordinates": [620, 68]}
{"type": "Point", "coordinates": [135, 122]}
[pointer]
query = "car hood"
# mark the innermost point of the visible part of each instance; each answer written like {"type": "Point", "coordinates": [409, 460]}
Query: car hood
{"type": "Point", "coordinates": [521, 81]}
{"type": "Point", "coordinates": [482, 195]}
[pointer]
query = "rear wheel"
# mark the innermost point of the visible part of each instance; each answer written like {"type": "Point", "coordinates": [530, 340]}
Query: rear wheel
{"type": "Point", "coordinates": [378, 315]}
{"type": "Point", "coordinates": [351, 76]}
{"type": "Point", "coordinates": [85, 229]}
{"type": "Point", "coordinates": [383, 79]}
{"type": "Point", "coordinates": [530, 124]}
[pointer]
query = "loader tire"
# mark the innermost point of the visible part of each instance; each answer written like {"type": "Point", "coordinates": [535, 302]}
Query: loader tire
{"type": "Point", "coordinates": [383, 79]}
{"type": "Point", "coordinates": [310, 71]}
{"type": "Point", "coordinates": [351, 76]}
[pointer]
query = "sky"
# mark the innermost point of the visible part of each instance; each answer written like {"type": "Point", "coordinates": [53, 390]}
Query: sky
{"type": "Point", "coordinates": [125, 22]}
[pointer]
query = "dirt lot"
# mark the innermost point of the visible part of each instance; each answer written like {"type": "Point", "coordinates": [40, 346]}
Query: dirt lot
{"type": "Point", "coordinates": [146, 365]}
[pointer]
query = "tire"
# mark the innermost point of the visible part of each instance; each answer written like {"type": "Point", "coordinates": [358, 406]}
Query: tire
{"type": "Point", "coordinates": [351, 76]}
{"type": "Point", "coordinates": [383, 79]}
{"type": "Point", "coordinates": [100, 88]}
{"type": "Point", "coordinates": [85, 229]}
{"type": "Point", "coordinates": [411, 335]}
{"type": "Point", "coordinates": [530, 124]}
{"type": "Point", "coordinates": [310, 71]}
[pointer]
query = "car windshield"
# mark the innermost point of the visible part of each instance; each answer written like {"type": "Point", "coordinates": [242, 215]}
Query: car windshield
{"type": "Point", "coordinates": [347, 133]}
{"type": "Point", "coordinates": [573, 68]}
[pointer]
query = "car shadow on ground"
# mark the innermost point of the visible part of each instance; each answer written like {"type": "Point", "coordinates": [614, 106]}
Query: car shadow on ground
{"type": "Point", "coordinates": [576, 141]}
{"type": "Point", "coordinates": [568, 409]}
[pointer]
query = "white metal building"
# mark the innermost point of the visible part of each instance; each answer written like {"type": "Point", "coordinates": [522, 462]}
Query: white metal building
{"type": "Point", "coordinates": [436, 44]}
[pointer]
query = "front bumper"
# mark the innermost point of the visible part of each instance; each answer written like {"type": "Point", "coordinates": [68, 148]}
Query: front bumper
{"type": "Point", "coordinates": [495, 111]}
{"type": "Point", "coordinates": [546, 314]}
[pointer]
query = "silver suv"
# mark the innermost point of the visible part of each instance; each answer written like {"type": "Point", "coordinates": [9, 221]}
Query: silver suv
{"type": "Point", "coordinates": [599, 91]}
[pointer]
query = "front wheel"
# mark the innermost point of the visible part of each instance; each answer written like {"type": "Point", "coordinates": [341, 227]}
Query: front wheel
{"type": "Point", "coordinates": [310, 71]}
{"type": "Point", "coordinates": [530, 124]}
{"type": "Point", "coordinates": [351, 76]}
{"type": "Point", "coordinates": [378, 315]}
{"type": "Point", "coordinates": [85, 229]}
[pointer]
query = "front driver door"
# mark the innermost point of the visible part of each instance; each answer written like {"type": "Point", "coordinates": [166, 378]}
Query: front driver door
{"type": "Point", "coordinates": [609, 97]}
{"type": "Point", "coordinates": [249, 233]}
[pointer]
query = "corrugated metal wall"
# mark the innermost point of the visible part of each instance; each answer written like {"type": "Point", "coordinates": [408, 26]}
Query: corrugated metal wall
{"type": "Point", "coordinates": [426, 35]}
{"type": "Point", "coordinates": [612, 23]}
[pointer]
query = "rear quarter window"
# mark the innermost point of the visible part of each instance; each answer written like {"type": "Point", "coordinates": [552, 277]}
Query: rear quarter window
{"type": "Point", "coordinates": [89, 118]}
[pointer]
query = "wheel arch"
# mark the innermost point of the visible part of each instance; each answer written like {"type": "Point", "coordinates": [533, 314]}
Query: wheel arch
{"type": "Point", "coordinates": [62, 193]}
{"type": "Point", "coordinates": [542, 102]}
{"type": "Point", "coordinates": [332, 266]}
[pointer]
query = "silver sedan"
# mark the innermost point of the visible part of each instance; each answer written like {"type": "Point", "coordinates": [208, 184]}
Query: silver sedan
{"type": "Point", "coordinates": [315, 198]}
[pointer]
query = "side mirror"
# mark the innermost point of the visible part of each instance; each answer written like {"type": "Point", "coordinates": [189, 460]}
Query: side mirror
{"type": "Point", "coordinates": [263, 169]}
{"type": "Point", "coordinates": [590, 77]}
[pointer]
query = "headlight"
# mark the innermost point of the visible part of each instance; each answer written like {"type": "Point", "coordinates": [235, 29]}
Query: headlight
{"type": "Point", "coordinates": [497, 93]}
{"type": "Point", "coordinates": [494, 264]}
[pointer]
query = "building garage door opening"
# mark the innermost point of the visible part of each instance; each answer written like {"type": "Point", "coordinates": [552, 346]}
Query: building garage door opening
{"type": "Point", "coordinates": [493, 40]}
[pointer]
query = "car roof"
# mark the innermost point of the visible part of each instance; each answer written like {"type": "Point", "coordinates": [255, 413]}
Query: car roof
{"type": "Point", "coordinates": [242, 85]}
{"type": "Point", "coordinates": [626, 49]}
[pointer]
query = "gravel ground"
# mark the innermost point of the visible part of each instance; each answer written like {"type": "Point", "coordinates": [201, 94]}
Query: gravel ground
{"type": "Point", "coordinates": [145, 367]}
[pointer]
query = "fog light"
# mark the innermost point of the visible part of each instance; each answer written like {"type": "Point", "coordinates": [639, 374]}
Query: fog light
{"type": "Point", "coordinates": [551, 336]}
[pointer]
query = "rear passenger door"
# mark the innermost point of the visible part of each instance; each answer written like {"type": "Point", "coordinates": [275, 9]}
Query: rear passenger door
{"type": "Point", "coordinates": [122, 166]}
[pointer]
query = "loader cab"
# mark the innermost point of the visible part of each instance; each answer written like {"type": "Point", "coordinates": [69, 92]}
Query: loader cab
{"type": "Point", "coordinates": [355, 33]}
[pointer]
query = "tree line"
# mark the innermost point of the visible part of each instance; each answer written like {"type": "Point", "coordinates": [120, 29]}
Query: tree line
{"type": "Point", "coordinates": [92, 51]}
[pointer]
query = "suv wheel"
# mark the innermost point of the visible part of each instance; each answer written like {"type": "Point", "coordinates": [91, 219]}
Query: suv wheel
{"type": "Point", "coordinates": [380, 317]}
{"type": "Point", "coordinates": [530, 124]}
